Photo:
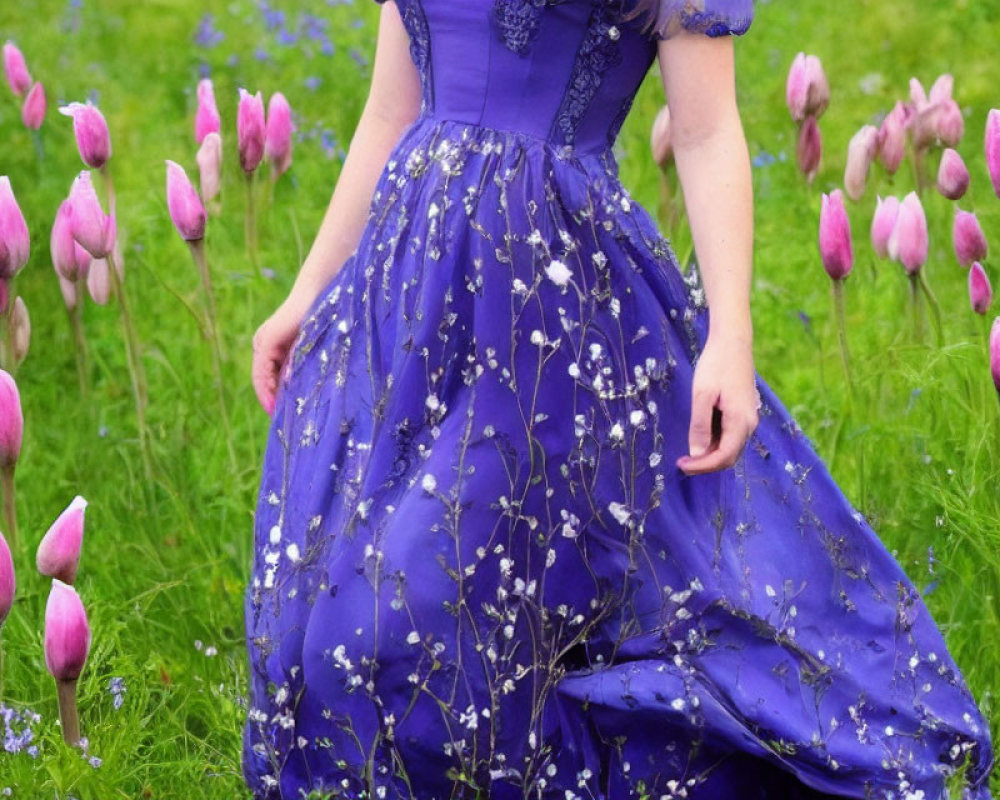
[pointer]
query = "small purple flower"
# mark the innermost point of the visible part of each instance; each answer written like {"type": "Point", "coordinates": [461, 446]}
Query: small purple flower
{"type": "Point", "coordinates": [312, 82]}
{"type": "Point", "coordinates": [117, 688]}
{"type": "Point", "coordinates": [206, 34]}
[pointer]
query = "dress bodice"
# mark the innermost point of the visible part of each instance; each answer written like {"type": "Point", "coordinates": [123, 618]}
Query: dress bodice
{"type": "Point", "coordinates": [562, 70]}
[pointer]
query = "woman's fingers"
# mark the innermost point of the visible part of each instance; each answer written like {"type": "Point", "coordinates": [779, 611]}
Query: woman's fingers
{"type": "Point", "coordinates": [734, 436]}
{"type": "Point", "coordinates": [267, 363]}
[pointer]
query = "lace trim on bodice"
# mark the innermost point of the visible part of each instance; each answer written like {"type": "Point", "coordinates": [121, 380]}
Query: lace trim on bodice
{"type": "Point", "coordinates": [598, 53]}
{"type": "Point", "coordinates": [420, 49]}
{"type": "Point", "coordinates": [518, 22]}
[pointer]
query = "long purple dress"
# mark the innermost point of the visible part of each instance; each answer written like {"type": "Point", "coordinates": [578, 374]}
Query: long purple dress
{"type": "Point", "coordinates": [478, 571]}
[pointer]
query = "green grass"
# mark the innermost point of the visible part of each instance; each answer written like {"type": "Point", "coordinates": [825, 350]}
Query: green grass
{"type": "Point", "coordinates": [165, 564]}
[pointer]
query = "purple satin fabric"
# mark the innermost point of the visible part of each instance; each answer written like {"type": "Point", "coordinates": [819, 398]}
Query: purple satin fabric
{"type": "Point", "coordinates": [478, 572]}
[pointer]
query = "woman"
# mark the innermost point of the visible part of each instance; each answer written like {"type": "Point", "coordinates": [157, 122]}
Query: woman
{"type": "Point", "coordinates": [530, 524]}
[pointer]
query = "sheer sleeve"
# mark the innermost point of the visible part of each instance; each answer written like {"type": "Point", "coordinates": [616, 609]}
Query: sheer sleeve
{"type": "Point", "coordinates": [711, 17]}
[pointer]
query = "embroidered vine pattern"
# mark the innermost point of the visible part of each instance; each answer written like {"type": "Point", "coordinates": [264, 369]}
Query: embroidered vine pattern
{"type": "Point", "coordinates": [518, 22]}
{"type": "Point", "coordinates": [420, 50]}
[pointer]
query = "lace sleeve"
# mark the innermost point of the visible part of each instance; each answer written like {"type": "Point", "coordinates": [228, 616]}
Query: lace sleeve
{"type": "Point", "coordinates": [711, 17]}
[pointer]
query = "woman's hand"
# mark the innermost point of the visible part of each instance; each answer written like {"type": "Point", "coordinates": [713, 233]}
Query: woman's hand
{"type": "Point", "coordinates": [724, 383]}
{"type": "Point", "coordinates": [271, 345]}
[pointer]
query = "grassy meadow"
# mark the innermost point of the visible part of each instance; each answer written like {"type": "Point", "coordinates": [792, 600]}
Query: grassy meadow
{"type": "Point", "coordinates": [165, 562]}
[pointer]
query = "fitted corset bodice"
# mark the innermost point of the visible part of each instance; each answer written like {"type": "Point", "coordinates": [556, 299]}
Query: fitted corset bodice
{"type": "Point", "coordinates": [565, 71]}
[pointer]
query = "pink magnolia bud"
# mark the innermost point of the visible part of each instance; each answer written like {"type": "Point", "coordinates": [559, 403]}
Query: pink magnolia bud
{"type": "Point", "coordinates": [884, 220]}
{"type": "Point", "coordinates": [11, 421]}
{"type": "Point", "coordinates": [67, 632]}
{"type": "Point", "coordinates": [968, 238]}
{"type": "Point", "coordinates": [809, 149]}
{"type": "Point", "coordinates": [980, 291]}
{"type": "Point", "coordinates": [91, 131]}
{"type": "Point", "coordinates": [70, 260]}
{"type": "Point", "coordinates": [8, 580]}
{"type": "Point", "coordinates": [250, 130]}
{"type": "Point", "coordinates": [58, 554]}
{"type": "Point", "coordinates": [659, 138]}
{"type": "Point", "coordinates": [92, 228]}
{"type": "Point", "coordinates": [892, 139]}
{"type": "Point", "coordinates": [908, 242]}
{"type": "Point", "coordinates": [953, 175]}
{"type": "Point", "coordinates": [186, 209]}
{"type": "Point", "coordinates": [278, 133]}
{"type": "Point", "coordinates": [995, 352]}
{"type": "Point", "coordinates": [206, 118]}
{"type": "Point", "coordinates": [16, 69]}
{"type": "Point", "coordinates": [15, 245]}
{"type": "Point", "coordinates": [99, 281]}
{"type": "Point", "coordinates": [35, 105]}
{"type": "Point", "coordinates": [20, 331]}
{"type": "Point", "coordinates": [210, 166]}
{"type": "Point", "coordinates": [860, 154]}
{"type": "Point", "coordinates": [835, 236]}
{"type": "Point", "coordinates": [992, 144]}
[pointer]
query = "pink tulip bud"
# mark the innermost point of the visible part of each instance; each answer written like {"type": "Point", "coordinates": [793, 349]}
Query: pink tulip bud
{"type": "Point", "coordinates": [20, 331]}
{"type": "Point", "coordinates": [953, 175]}
{"type": "Point", "coordinates": [797, 88]}
{"type": "Point", "coordinates": [67, 633]}
{"type": "Point", "coordinates": [892, 139]}
{"type": "Point", "coordinates": [860, 154]}
{"type": "Point", "coordinates": [980, 291]}
{"type": "Point", "coordinates": [70, 260]}
{"type": "Point", "coordinates": [99, 281]}
{"type": "Point", "coordinates": [92, 228]}
{"type": "Point", "coordinates": [210, 166]}
{"type": "Point", "coordinates": [15, 245]}
{"type": "Point", "coordinates": [70, 291]}
{"type": "Point", "coordinates": [992, 144]}
{"type": "Point", "coordinates": [91, 131]}
{"type": "Point", "coordinates": [942, 88]}
{"type": "Point", "coordinates": [206, 118]}
{"type": "Point", "coordinates": [250, 130]}
{"type": "Point", "coordinates": [995, 352]}
{"type": "Point", "coordinates": [917, 94]}
{"type": "Point", "coordinates": [968, 238]}
{"type": "Point", "coordinates": [11, 422]}
{"type": "Point", "coordinates": [16, 69]}
{"type": "Point", "coordinates": [950, 123]}
{"type": "Point", "coordinates": [278, 133]}
{"type": "Point", "coordinates": [835, 245]}
{"type": "Point", "coordinates": [8, 580]}
{"type": "Point", "coordinates": [908, 242]}
{"type": "Point", "coordinates": [35, 105]}
{"type": "Point", "coordinates": [884, 220]}
{"type": "Point", "coordinates": [186, 209]}
{"type": "Point", "coordinates": [58, 554]}
{"type": "Point", "coordinates": [807, 91]}
{"type": "Point", "coordinates": [659, 139]}
{"type": "Point", "coordinates": [809, 149]}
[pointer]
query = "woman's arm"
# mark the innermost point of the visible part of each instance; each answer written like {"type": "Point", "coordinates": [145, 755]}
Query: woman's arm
{"type": "Point", "coordinates": [393, 103]}
{"type": "Point", "coordinates": [713, 164]}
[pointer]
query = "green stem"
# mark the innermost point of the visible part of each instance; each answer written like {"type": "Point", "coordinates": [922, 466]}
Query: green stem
{"type": "Point", "coordinates": [109, 189]}
{"type": "Point", "coordinates": [68, 716]}
{"type": "Point", "coordinates": [666, 204]}
{"type": "Point", "coordinates": [36, 140]}
{"type": "Point", "coordinates": [198, 251]}
{"type": "Point", "coordinates": [133, 358]}
{"type": "Point", "coordinates": [9, 504]}
{"type": "Point", "coordinates": [251, 224]}
{"type": "Point", "coordinates": [838, 302]}
{"type": "Point", "coordinates": [80, 341]}
{"type": "Point", "coordinates": [918, 320]}
{"type": "Point", "coordinates": [935, 307]}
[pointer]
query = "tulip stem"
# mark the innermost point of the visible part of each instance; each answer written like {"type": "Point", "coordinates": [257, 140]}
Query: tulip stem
{"type": "Point", "coordinates": [75, 318]}
{"type": "Point", "coordinates": [36, 140]}
{"type": "Point", "coordinates": [9, 504]}
{"type": "Point", "coordinates": [109, 188]}
{"type": "Point", "coordinates": [935, 307]}
{"type": "Point", "coordinates": [134, 363]}
{"type": "Point", "coordinates": [251, 223]}
{"type": "Point", "coordinates": [838, 302]}
{"type": "Point", "coordinates": [918, 318]}
{"type": "Point", "coordinates": [198, 251]}
{"type": "Point", "coordinates": [68, 716]}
